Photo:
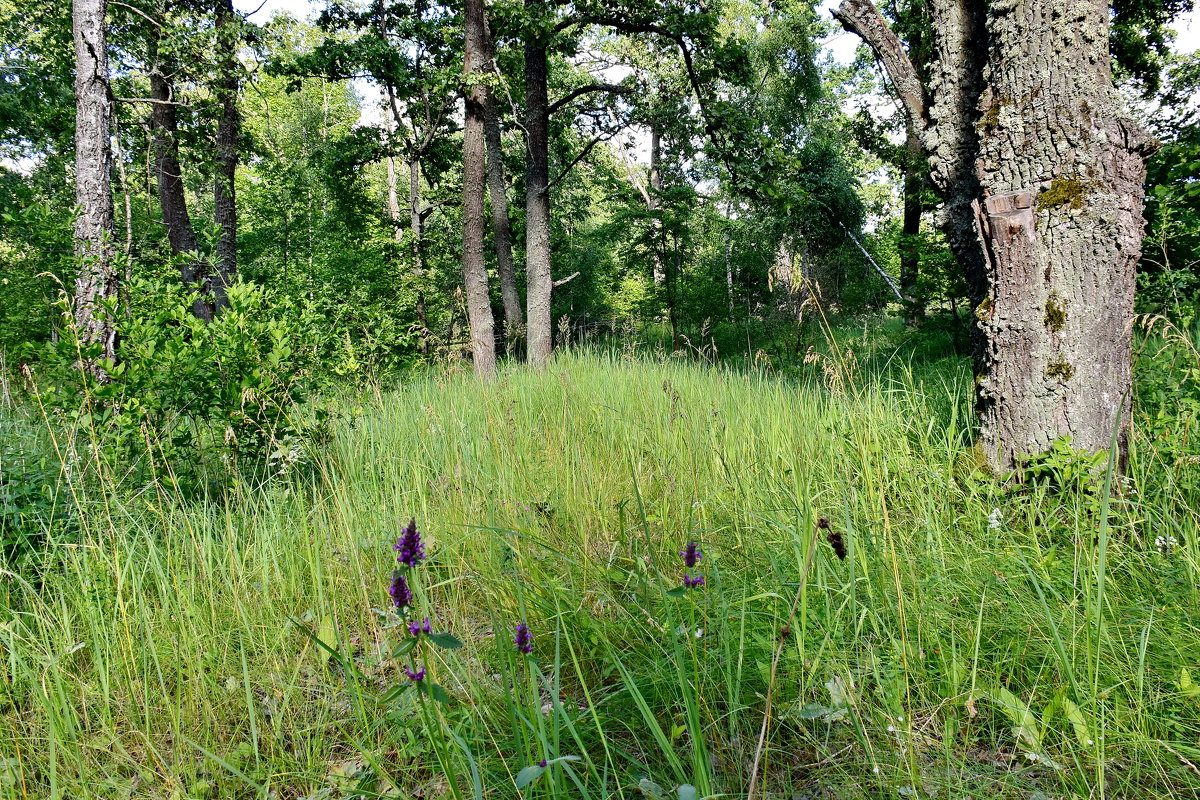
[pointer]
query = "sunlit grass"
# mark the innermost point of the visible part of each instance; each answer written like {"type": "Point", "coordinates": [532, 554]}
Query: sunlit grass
{"type": "Point", "coordinates": [160, 652]}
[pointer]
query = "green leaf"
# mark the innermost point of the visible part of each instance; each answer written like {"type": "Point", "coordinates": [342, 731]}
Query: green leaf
{"type": "Point", "coordinates": [678, 591]}
{"type": "Point", "coordinates": [529, 774]}
{"type": "Point", "coordinates": [1078, 722]}
{"type": "Point", "coordinates": [446, 641]}
{"type": "Point", "coordinates": [1186, 685]}
{"type": "Point", "coordinates": [687, 792]}
{"type": "Point", "coordinates": [1025, 724]}
{"type": "Point", "coordinates": [404, 648]}
{"type": "Point", "coordinates": [432, 690]}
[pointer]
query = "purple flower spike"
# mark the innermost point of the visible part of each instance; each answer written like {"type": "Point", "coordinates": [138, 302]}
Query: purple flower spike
{"type": "Point", "coordinates": [691, 554]}
{"type": "Point", "coordinates": [402, 596]}
{"type": "Point", "coordinates": [417, 628]}
{"type": "Point", "coordinates": [542, 763]}
{"type": "Point", "coordinates": [522, 638]}
{"type": "Point", "coordinates": [408, 547]}
{"type": "Point", "coordinates": [415, 676]}
{"type": "Point", "coordinates": [691, 583]}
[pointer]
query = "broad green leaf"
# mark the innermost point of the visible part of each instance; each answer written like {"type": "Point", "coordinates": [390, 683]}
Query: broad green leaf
{"type": "Point", "coordinates": [529, 774]}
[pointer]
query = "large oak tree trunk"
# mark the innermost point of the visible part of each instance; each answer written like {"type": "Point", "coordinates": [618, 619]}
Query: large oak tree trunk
{"type": "Point", "coordinates": [539, 281]}
{"type": "Point", "coordinates": [1062, 173]}
{"type": "Point", "coordinates": [228, 128]}
{"type": "Point", "coordinates": [1041, 171]}
{"type": "Point", "coordinates": [475, 279]}
{"type": "Point", "coordinates": [97, 283]}
{"type": "Point", "coordinates": [514, 318]}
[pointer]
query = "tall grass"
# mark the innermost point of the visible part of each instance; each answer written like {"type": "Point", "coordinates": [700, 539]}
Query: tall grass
{"type": "Point", "coordinates": [174, 649]}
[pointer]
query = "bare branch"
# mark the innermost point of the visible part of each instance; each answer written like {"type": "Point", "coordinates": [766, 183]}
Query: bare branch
{"type": "Point", "coordinates": [861, 17]}
{"type": "Point", "coordinates": [567, 279]}
{"type": "Point", "coordinates": [611, 88]}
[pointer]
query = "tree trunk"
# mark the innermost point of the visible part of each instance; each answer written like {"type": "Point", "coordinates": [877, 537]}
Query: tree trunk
{"type": "Point", "coordinates": [514, 318]}
{"type": "Point", "coordinates": [1062, 172]}
{"type": "Point", "coordinates": [656, 186]}
{"type": "Point", "coordinates": [539, 282]}
{"type": "Point", "coordinates": [417, 233]}
{"type": "Point", "coordinates": [228, 128]}
{"type": "Point", "coordinates": [475, 279]}
{"type": "Point", "coordinates": [910, 233]}
{"type": "Point", "coordinates": [171, 194]}
{"type": "Point", "coordinates": [393, 200]}
{"type": "Point", "coordinates": [1042, 174]}
{"type": "Point", "coordinates": [97, 283]}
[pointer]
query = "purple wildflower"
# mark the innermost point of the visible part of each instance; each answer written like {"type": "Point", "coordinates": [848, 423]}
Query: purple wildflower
{"type": "Point", "coordinates": [402, 596]}
{"type": "Point", "coordinates": [408, 547]}
{"type": "Point", "coordinates": [522, 638]}
{"type": "Point", "coordinates": [691, 583]}
{"type": "Point", "coordinates": [691, 554]}
{"type": "Point", "coordinates": [417, 628]}
{"type": "Point", "coordinates": [542, 763]}
{"type": "Point", "coordinates": [416, 676]}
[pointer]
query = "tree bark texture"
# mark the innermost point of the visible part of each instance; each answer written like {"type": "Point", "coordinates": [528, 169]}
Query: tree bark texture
{"type": "Point", "coordinates": [539, 282]}
{"type": "Point", "coordinates": [228, 131]}
{"type": "Point", "coordinates": [1042, 172]}
{"type": "Point", "coordinates": [514, 317]}
{"type": "Point", "coordinates": [475, 279]}
{"type": "Point", "coordinates": [172, 197]}
{"type": "Point", "coordinates": [97, 282]}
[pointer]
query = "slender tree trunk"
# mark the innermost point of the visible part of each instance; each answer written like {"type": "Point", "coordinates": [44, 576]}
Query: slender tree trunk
{"type": "Point", "coordinates": [171, 192]}
{"type": "Point", "coordinates": [539, 281]}
{"type": "Point", "coordinates": [475, 279]}
{"type": "Point", "coordinates": [910, 233]}
{"type": "Point", "coordinates": [514, 318]}
{"type": "Point", "coordinates": [656, 185]}
{"type": "Point", "coordinates": [97, 283]}
{"type": "Point", "coordinates": [393, 200]}
{"type": "Point", "coordinates": [1042, 171]}
{"type": "Point", "coordinates": [417, 235]}
{"type": "Point", "coordinates": [228, 131]}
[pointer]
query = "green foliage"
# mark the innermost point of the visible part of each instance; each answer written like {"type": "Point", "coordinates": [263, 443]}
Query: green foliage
{"type": "Point", "coordinates": [190, 403]}
{"type": "Point", "coordinates": [33, 499]}
{"type": "Point", "coordinates": [1167, 381]}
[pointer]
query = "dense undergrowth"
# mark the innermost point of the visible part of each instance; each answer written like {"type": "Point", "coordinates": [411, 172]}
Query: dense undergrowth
{"type": "Point", "coordinates": [977, 639]}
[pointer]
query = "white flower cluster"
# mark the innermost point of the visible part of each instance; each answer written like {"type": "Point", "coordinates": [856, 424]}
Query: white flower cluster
{"type": "Point", "coordinates": [995, 520]}
{"type": "Point", "coordinates": [1166, 543]}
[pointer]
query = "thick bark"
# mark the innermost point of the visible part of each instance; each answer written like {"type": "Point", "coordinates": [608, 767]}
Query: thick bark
{"type": "Point", "coordinates": [97, 283]}
{"type": "Point", "coordinates": [228, 130]}
{"type": "Point", "coordinates": [171, 193]}
{"type": "Point", "coordinates": [514, 318]}
{"type": "Point", "coordinates": [475, 279]}
{"type": "Point", "coordinates": [1042, 173]}
{"type": "Point", "coordinates": [1062, 171]}
{"type": "Point", "coordinates": [539, 282]}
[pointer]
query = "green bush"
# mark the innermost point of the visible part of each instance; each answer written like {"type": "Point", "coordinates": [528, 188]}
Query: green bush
{"type": "Point", "coordinates": [190, 401]}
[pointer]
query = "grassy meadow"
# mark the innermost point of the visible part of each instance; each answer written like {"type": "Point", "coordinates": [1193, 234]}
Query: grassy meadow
{"type": "Point", "coordinates": [977, 639]}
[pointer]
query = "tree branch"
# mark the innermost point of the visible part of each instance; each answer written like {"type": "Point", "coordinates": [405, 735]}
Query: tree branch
{"type": "Point", "coordinates": [861, 17]}
{"type": "Point", "coordinates": [603, 137]}
{"type": "Point", "coordinates": [611, 88]}
{"type": "Point", "coordinates": [567, 279]}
